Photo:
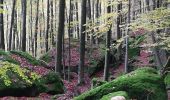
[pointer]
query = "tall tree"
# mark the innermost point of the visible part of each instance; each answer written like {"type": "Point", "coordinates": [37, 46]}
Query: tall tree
{"type": "Point", "coordinates": [52, 27]}
{"type": "Point", "coordinates": [11, 27]}
{"type": "Point", "coordinates": [107, 54]}
{"type": "Point", "coordinates": [2, 40]}
{"type": "Point", "coordinates": [82, 42]}
{"type": "Point", "coordinates": [14, 29]}
{"type": "Point", "coordinates": [48, 25]}
{"type": "Point", "coordinates": [118, 30]}
{"type": "Point", "coordinates": [69, 39]}
{"type": "Point", "coordinates": [31, 26]}
{"type": "Point", "coordinates": [36, 27]}
{"type": "Point", "coordinates": [60, 35]}
{"type": "Point", "coordinates": [126, 39]}
{"type": "Point", "coordinates": [24, 12]}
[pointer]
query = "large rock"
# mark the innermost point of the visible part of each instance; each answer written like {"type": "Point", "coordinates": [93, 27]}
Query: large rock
{"type": "Point", "coordinates": [120, 95]}
{"type": "Point", "coordinates": [139, 84]}
{"type": "Point", "coordinates": [118, 98]}
{"type": "Point", "coordinates": [17, 81]}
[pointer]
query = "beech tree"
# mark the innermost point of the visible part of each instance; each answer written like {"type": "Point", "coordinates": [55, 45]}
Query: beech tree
{"type": "Point", "coordinates": [2, 40]}
{"type": "Point", "coordinates": [108, 44]}
{"type": "Point", "coordinates": [60, 35]}
{"type": "Point", "coordinates": [11, 25]}
{"type": "Point", "coordinates": [36, 27]}
{"type": "Point", "coordinates": [48, 25]}
{"type": "Point", "coordinates": [24, 12]}
{"type": "Point", "coordinates": [82, 42]}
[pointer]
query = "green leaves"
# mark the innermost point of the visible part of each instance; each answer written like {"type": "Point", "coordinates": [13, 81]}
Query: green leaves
{"type": "Point", "coordinates": [156, 19]}
{"type": "Point", "coordinates": [11, 73]}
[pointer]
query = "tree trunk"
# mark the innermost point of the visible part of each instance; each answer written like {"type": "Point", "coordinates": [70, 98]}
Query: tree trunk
{"type": "Point", "coordinates": [82, 42]}
{"type": "Point", "coordinates": [2, 40]}
{"type": "Point", "coordinates": [14, 29]}
{"type": "Point", "coordinates": [118, 30]}
{"type": "Point", "coordinates": [24, 12]}
{"type": "Point", "coordinates": [52, 27]}
{"type": "Point", "coordinates": [126, 39]}
{"type": "Point", "coordinates": [12, 22]}
{"type": "Point", "coordinates": [156, 53]}
{"type": "Point", "coordinates": [48, 25]}
{"type": "Point", "coordinates": [60, 35]}
{"type": "Point", "coordinates": [69, 37]}
{"type": "Point", "coordinates": [77, 19]}
{"type": "Point", "coordinates": [31, 25]}
{"type": "Point", "coordinates": [107, 54]}
{"type": "Point", "coordinates": [36, 27]}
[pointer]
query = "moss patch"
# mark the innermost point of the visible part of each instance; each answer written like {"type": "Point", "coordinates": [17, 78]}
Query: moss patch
{"type": "Point", "coordinates": [27, 56]}
{"type": "Point", "coordinates": [14, 79]}
{"type": "Point", "coordinates": [138, 84]}
{"type": "Point", "coordinates": [119, 93]}
{"type": "Point", "coordinates": [97, 82]}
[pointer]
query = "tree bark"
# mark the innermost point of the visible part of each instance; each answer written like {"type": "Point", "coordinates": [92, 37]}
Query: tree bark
{"type": "Point", "coordinates": [118, 30]}
{"type": "Point", "coordinates": [107, 54]}
{"type": "Point", "coordinates": [60, 35]}
{"type": "Point", "coordinates": [2, 40]}
{"type": "Point", "coordinates": [82, 42]}
{"type": "Point", "coordinates": [24, 12]}
{"type": "Point", "coordinates": [156, 52]}
{"type": "Point", "coordinates": [126, 39]}
{"type": "Point", "coordinates": [12, 22]}
{"type": "Point", "coordinates": [14, 29]}
{"type": "Point", "coordinates": [36, 27]}
{"type": "Point", "coordinates": [48, 26]}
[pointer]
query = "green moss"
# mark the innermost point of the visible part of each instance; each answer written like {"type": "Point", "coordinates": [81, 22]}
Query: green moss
{"type": "Point", "coordinates": [3, 53]}
{"type": "Point", "coordinates": [50, 83]}
{"type": "Point", "coordinates": [27, 56]}
{"type": "Point", "coordinates": [12, 76]}
{"type": "Point", "coordinates": [119, 93]}
{"type": "Point", "coordinates": [96, 82]}
{"type": "Point", "coordinates": [138, 84]}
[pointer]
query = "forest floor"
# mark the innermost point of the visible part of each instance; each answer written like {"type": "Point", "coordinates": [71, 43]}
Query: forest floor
{"type": "Point", "coordinates": [72, 88]}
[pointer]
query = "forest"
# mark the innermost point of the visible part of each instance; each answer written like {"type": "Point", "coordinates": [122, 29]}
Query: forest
{"type": "Point", "coordinates": [84, 49]}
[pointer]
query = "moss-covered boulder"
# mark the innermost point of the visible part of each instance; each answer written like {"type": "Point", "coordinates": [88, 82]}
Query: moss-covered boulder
{"type": "Point", "coordinates": [16, 81]}
{"type": "Point", "coordinates": [138, 84]}
{"type": "Point", "coordinates": [50, 83]}
{"type": "Point", "coordinates": [119, 93]}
